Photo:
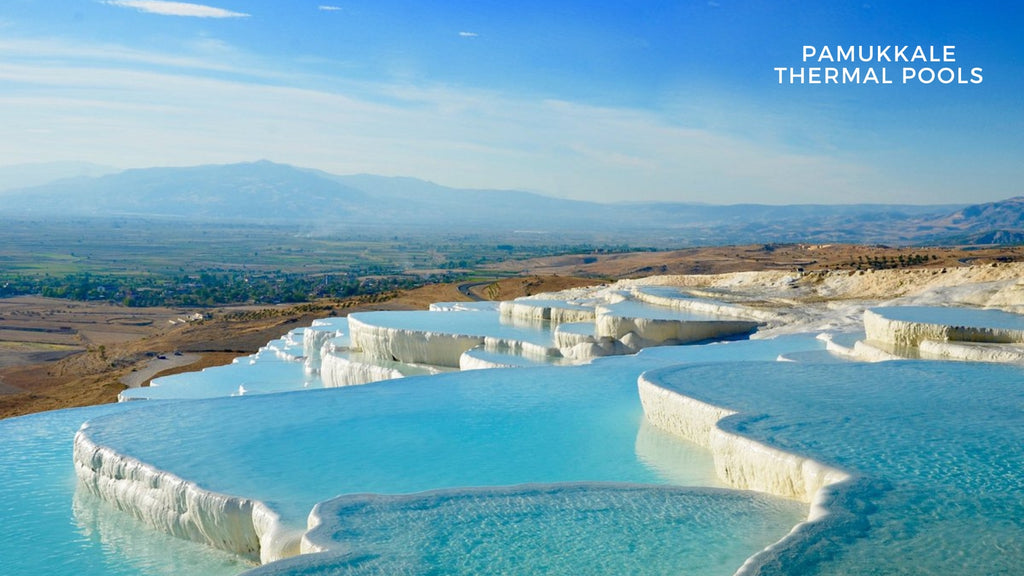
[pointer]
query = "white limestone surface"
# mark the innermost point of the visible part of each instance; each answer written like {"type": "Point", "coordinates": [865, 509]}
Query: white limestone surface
{"type": "Point", "coordinates": [739, 461]}
{"type": "Point", "coordinates": [909, 325]}
{"type": "Point", "coordinates": [910, 466]}
{"type": "Point", "coordinates": [570, 334]}
{"type": "Point", "coordinates": [679, 299]}
{"type": "Point", "coordinates": [410, 346]}
{"type": "Point", "coordinates": [314, 338]}
{"type": "Point", "coordinates": [638, 330]}
{"type": "Point", "coordinates": [440, 338]}
{"type": "Point", "coordinates": [549, 310]}
{"type": "Point", "coordinates": [179, 507]}
{"type": "Point", "coordinates": [344, 367]}
{"type": "Point", "coordinates": [972, 351]}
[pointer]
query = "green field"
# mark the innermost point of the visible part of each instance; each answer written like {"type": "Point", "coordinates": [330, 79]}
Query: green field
{"type": "Point", "coordinates": [146, 262]}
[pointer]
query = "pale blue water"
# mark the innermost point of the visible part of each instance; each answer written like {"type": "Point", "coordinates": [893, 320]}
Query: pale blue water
{"type": "Point", "coordinates": [634, 309]}
{"type": "Point", "coordinates": [485, 428]}
{"type": "Point", "coordinates": [552, 303]}
{"type": "Point", "coordinates": [263, 374]}
{"type": "Point", "coordinates": [813, 356]}
{"type": "Point", "coordinates": [46, 531]}
{"type": "Point", "coordinates": [582, 328]}
{"type": "Point", "coordinates": [970, 317]}
{"type": "Point", "coordinates": [544, 529]}
{"type": "Point", "coordinates": [847, 339]}
{"type": "Point", "coordinates": [664, 291]}
{"type": "Point", "coordinates": [512, 360]}
{"type": "Point", "coordinates": [939, 446]}
{"type": "Point", "coordinates": [674, 292]}
{"type": "Point", "coordinates": [468, 323]}
{"type": "Point", "coordinates": [490, 428]}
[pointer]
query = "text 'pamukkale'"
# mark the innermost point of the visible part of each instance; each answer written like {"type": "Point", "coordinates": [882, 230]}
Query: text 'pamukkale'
{"type": "Point", "coordinates": [925, 65]}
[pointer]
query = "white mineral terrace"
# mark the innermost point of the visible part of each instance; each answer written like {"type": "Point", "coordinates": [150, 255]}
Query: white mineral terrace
{"type": "Point", "coordinates": [180, 507]}
{"type": "Point", "coordinates": [942, 482]}
{"type": "Point", "coordinates": [346, 368]}
{"type": "Point", "coordinates": [407, 337]}
{"type": "Point", "coordinates": [740, 461]}
{"type": "Point", "coordinates": [696, 301]}
{"type": "Point", "coordinates": [926, 450]}
{"type": "Point", "coordinates": [639, 326]}
{"type": "Point", "coordinates": [547, 309]}
{"type": "Point", "coordinates": [909, 325]}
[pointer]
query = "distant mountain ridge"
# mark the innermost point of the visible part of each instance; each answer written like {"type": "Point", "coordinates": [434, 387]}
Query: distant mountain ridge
{"type": "Point", "coordinates": [271, 193]}
{"type": "Point", "coordinates": [26, 175]}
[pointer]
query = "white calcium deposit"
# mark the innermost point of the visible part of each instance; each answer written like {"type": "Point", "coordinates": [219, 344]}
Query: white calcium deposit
{"type": "Point", "coordinates": [537, 310]}
{"type": "Point", "coordinates": [410, 346]}
{"type": "Point", "coordinates": [179, 507]}
{"type": "Point", "coordinates": [739, 461]}
{"type": "Point", "coordinates": [337, 370]}
{"type": "Point", "coordinates": [701, 306]}
{"type": "Point", "coordinates": [313, 340]}
{"type": "Point", "coordinates": [911, 333]}
{"type": "Point", "coordinates": [749, 465]}
{"type": "Point", "coordinates": [657, 331]}
{"type": "Point", "coordinates": [972, 351]}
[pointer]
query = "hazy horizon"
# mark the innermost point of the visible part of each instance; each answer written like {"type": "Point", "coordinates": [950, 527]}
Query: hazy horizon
{"type": "Point", "coordinates": [608, 103]}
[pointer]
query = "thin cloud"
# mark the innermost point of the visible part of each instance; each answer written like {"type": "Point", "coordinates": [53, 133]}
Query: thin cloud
{"type": "Point", "coordinates": [166, 8]}
{"type": "Point", "coordinates": [468, 34]}
{"type": "Point", "coordinates": [328, 8]}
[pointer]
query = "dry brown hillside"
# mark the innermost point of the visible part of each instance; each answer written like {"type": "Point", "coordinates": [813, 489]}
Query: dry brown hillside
{"type": "Point", "coordinates": [59, 354]}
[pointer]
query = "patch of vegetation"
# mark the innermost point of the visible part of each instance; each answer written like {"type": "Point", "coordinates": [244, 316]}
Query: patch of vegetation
{"type": "Point", "coordinates": [169, 263]}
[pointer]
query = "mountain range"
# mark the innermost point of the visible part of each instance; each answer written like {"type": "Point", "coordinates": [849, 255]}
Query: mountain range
{"type": "Point", "coordinates": [270, 193]}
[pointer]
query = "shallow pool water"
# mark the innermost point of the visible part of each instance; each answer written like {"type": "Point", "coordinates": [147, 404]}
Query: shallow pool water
{"type": "Point", "coordinates": [935, 448]}
{"type": "Point", "coordinates": [48, 530]}
{"type": "Point", "coordinates": [635, 309]}
{"type": "Point", "coordinates": [483, 428]}
{"type": "Point", "coordinates": [555, 463]}
{"type": "Point", "coordinates": [263, 373]}
{"type": "Point", "coordinates": [970, 317]}
{"type": "Point", "coordinates": [489, 428]}
{"type": "Point", "coordinates": [469, 323]}
{"type": "Point", "coordinates": [544, 529]}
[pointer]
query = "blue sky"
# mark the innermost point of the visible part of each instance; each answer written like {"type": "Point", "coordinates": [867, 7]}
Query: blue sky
{"type": "Point", "coordinates": [606, 101]}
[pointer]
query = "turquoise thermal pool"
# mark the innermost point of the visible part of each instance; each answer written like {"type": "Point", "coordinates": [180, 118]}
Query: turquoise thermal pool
{"type": "Point", "coordinates": [949, 316]}
{"type": "Point", "coordinates": [635, 309]}
{"type": "Point", "coordinates": [482, 428]}
{"type": "Point", "coordinates": [50, 528]}
{"type": "Point", "coordinates": [469, 323]}
{"type": "Point", "coordinates": [532, 469]}
{"type": "Point", "coordinates": [933, 448]}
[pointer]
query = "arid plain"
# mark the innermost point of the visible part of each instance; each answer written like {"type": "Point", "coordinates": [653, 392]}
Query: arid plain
{"type": "Point", "coordinates": [57, 353]}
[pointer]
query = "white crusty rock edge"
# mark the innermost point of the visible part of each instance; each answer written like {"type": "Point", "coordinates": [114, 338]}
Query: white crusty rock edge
{"type": "Point", "coordinates": [709, 307]}
{"type": "Point", "coordinates": [337, 371]}
{"type": "Point", "coordinates": [972, 351]}
{"type": "Point", "coordinates": [906, 333]}
{"type": "Point", "coordinates": [314, 339]}
{"type": "Point", "coordinates": [434, 348]}
{"type": "Point", "coordinates": [410, 346]}
{"type": "Point", "coordinates": [654, 332]}
{"type": "Point", "coordinates": [181, 508]}
{"type": "Point", "coordinates": [742, 462]}
{"type": "Point", "coordinates": [529, 310]}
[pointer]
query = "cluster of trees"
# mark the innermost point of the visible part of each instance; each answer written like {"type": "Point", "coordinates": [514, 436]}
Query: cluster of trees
{"type": "Point", "coordinates": [207, 288]}
{"type": "Point", "coordinates": [886, 262]}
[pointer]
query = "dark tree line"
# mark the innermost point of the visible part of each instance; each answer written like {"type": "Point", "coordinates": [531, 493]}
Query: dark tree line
{"type": "Point", "coordinates": [207, 288]}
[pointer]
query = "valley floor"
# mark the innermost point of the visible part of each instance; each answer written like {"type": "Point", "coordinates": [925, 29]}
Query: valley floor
{"type": "Point", "coordinates": [60, 354]}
